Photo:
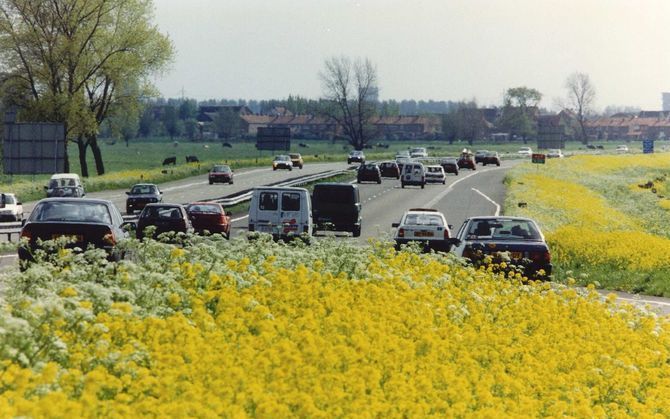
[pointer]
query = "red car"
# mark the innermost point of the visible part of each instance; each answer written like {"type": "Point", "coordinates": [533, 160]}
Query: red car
{"type": "Point", "coordinates": [467, 160]}
{"type": "Point", "coordinates": [209, 216]}
{"type": "Point", "coordinates": [390, 169]}
{"type": "Point", "coordinates": [221, 173]}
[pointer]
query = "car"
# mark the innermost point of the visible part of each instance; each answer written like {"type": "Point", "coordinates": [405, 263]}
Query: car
{"type": "Point", "coordinates": [356, 156]}
{"type": "Point", "coordinates": [11, 209]}
{"type": "Point", "coordinates": [209, 217]}
{"type": "Point", "coordinates": [491, 157]}
{"type": "Point", "coordinates": [336, 207]}
{"type": "Point", "coordinates": [479, 155]}
{"type": "Point", "coordinates": [426, 226]}
{"type": "Point", "coordinates": [525, 152]}
{"type": "Point", "coordinates": [282, 162]}
{"type": "Point", "coordinates": [403, 154]}
{"type": "Point", "coordinates": [65, 185]}
{"type": "Point", "coordinates": [390, 169]}
{"type": "Point", "coordinates": [418, 152]}
{"type": "Point", "coordinates": [85, 222]}
{"type": "Point", "coordinates": [165, 218]}
{"type": "Point", "coordinates": [518, 241]}
{"type": "Point", "coordinates": [284, 212]}
{"type": "Point", "coordinates": [369, 172]}
{"type": "Point", "coordinates": [435, 174]}
{"type": "Point", "coordinates": [296, 159]}
{"type": "Point", "coordinates": [220, 173]}
{"type": "Point", "coordinates": [622, 148]}
{"type": "Point", "coordinates": [140, 195]}
{"type": "Point", "coordinates": [467, 160]}
{"type": "Point", "coordinates": [450, 165]}
{"type": "Point", "coordinates": [413, 173]}
{"type": "Point", "coordinates": [554, 153]}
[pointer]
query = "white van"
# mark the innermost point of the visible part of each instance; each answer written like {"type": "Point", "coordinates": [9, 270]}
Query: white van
{"type": "Point", "coordinates": [65, 185]}
{"type": "Point", "coordinates": [413, 174]}
{"type": "Point", "coordinates": [283, 212]}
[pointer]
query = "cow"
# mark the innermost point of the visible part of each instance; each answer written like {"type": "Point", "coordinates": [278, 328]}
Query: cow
{"type": "Point", "coordinates": [303, 145]}
{"type": "Point", "coordinates": [192, 159]}
{"type": "Point", "coordinates": [591, 147]}
{"type": "Point", "coordinates": [170, 160]}
{"type": "Point", "coordinates": [227, 145]}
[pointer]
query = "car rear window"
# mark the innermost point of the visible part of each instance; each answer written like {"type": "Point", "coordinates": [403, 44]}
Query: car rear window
{"type": "Point", "coordinates": [204, 208]}
{"type": "Point", "coordinates": [290, 201]}
{"type": "Point", "coordinates": [72, 211]}
{"type": "Point", "coordinates": [503, 230]}
{"type": "Point", "coordinates": [7, 200]}
{"type": "Point", "coordinates": [333, 195]}
{"type": "Point", "coordinates": [424, 220]}
{"type": "Point", "coordinates": [221, 169]}
{"type": "Point", "coordinates": [268, 201]}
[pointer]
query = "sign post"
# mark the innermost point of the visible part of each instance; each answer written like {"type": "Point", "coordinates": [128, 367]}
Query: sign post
{"type": "Point", "coordinates": [538, 158]}
{"type": "Point", "coordinates": [648, 146]}
{"type": "Point", "coordinates": [273, 138]}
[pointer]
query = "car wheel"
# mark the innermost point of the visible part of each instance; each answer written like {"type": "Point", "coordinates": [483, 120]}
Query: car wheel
{"type": "Point", "coordinates": [274, 168]}
{"type": "Point", "coordinates": [301, 167]}
{"type": "Point", "coordinates": [483, 164]}
{"type": "Point", "coordinates": [497, 164]}
{"type": "Point", "coordinates": [402, 185]}
{"type": "Point", "coordinates": [356, 232]}
{"type": "Point", "coordinates": [379, 181]}
{"type": "Point", "coordinates": [290, 169]}
{"type": "Point", "coordinates": [211, 183]}
{"type": "Point", "coordinates": [444, 182]}
{"type": "Point", "coordinates": [231, 182]}
{"type": "Point", "coordinates": [358, 181]}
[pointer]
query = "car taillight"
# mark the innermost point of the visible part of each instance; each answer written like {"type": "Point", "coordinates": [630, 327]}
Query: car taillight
{"type": "Point", "coordinates": [401, 232]}
{"type": "Point", "coordinates": [26, 233]}
{"type": "Point", "coordinates": [109, 238]}
{"type": "Point", "coordinates": [543, 256]}
{"type": "Point", "coordinates": [446, 233]}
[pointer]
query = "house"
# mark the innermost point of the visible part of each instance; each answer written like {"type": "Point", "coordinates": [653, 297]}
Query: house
{"type": "Point", "coordinates": [640, 126]}
{"type": "Point", "coordinates": [554, 130]}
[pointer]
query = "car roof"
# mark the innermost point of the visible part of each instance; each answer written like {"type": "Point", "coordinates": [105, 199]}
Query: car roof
{"type": "Point", "coordinates": [204, 203]}
{"type": "Point", "coordinates": [278, 188]}
{"type": "Point", "coordinates": [64, 176]}
{"type": "Point", "coordinates": [87, 200]}
{"type": "Point", "coordinates": [144, 184]}
{"type": "Point", "coordinates": [501, 217]}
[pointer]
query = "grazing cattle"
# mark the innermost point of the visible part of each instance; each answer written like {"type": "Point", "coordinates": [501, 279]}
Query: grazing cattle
{"type": "Point", "coordinates": [170, 160]}
{"type": "Point", "coordinates": [205, 146]}
{"type": "Point", "coordinates": [192, 159]}
{"type": "Point", "coordinates": [591, 147]}
{"type": "Point", "coordinates": [382, 145]}
{"type": "Point", "coordinates": [600, 147]}
{"type": "Point", "coordinates": [303, 145]}
{"type": "Point", "coordinates": [227, 145]}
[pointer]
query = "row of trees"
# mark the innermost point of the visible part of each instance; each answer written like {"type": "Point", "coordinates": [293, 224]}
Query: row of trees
{"type": "Point", "coordinates": [80, 62]}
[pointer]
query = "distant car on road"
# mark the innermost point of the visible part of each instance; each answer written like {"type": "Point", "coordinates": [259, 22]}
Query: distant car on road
{"type": "Point", "coordinates": [435, 174]}
{"type": "Point", "coordinates": [85, 222]}
{"type": "Point", "coordinates": [297, 160]}
{"type": "Point", "coordinates": [491, 157]}
{"type": "Point", "coordinates": [516, 241]}
{"type": "Point", "coordinates": [418, 152]}
{"type": "Point", "coordinates": [140, 195]}
{"type": "Point", "coordinates": [356, 156]}
{"type": "Point", "coordinates": [220, 173]}
{"type": "Point", "coordinates": [209, 216]}
{"type": "Point", "coordinates": [282, 162]}
{"type": "Point", "coordinates": [525, 152]}
{"type": "Point", "coordinates": [426, 226]}
{"type": "Point", "coordinates": [450, 165]}
{"type": "Point", "coordinates": [622, 148]}
{"type": "Point", "coordinates": [65, 185]}
{"type": "Point", "coordinates": [479, 155]}
{"type": "Point", "coordinates": [467, 160]}
{"type": "Point", "coordinates": [554, 153]}
{"type": "Point", "coordinates": [369, 172]}
{"type": "Point", "coordinates": [402, 155]}
{"type": "Point", "coordinates": [390, 169]}
{"type": "Point", "coordinates": [165, 218]}
{"type": "Point", "coordinates": [11, 209]}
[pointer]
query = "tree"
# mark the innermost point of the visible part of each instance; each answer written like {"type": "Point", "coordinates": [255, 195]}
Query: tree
{"type": "Point", "coordinates": [78, 61]}
{"type": "Point", "coordinates": [227, 123]}
{"type": "Point", "coordinates": [581, 95]}
{"type": "Point", "coordinates": [464, 121]}
{"type": "Point", "coordinates": [188, 109]}
{"type": "Point", "coordinates": [173, 125]}
{"type": "Point", "coordinates": [518, 113]}
{"type": "Point", "coordinates": [350, 93]}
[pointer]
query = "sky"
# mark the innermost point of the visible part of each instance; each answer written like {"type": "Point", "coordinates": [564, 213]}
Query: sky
{"type": "Point", "coordinates": [422, 49]}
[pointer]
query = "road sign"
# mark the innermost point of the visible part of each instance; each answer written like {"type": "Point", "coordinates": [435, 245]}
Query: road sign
{"type": "Point", "coordinates": [273, 138]}
{"type": "Point", "coordinates": [648, 146]}
{"type": "Point", "coordinates": [33, 148]}
{"type": "Point", "coordinates": [538, 158]}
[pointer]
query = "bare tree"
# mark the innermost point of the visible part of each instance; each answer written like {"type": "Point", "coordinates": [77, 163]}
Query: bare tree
{"type": "Point", "coordinates": [581, 95]}
{"type": "Point", "coordinates": [350, 91]}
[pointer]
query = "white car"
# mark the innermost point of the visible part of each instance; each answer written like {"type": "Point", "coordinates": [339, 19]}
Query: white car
{"type": "Point", "coordinates": [525, 152]}
{"type": "Point", "coordinates": [621, 148]}
{"type": "Point", "coordinates": [402, 155]}
{"type": "Point", "coordinates": [10, 208]}
{"type": "Point", "coordinates": [427, 226]}
{"type": "Point", "coordinates": [435, 174]}
{"type": "Point", "coordinates": [418, 152]}
{"type": "Point", "coordinates": [554, 153]}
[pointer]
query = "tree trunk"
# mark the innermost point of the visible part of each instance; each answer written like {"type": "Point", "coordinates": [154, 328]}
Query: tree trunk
{"type": "Point", "coordinates": [97, 155]}
{"type": "Point", "coordinates": [66, 160]}
{"type": "Point", "coordinates": [81, 144]}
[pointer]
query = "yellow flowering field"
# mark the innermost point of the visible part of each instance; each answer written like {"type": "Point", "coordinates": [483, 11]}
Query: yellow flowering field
{"type": "Point", "coordinates": [221, 328]}
{"type": "Point", "coordinates": [605, 217]}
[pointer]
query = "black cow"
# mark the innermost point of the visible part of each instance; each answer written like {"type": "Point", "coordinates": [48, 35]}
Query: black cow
{"type": "Point", "coordinates": [192, 159]}
{"type": "Point", "coordinates": [303, 145]}
{"type": "Point", "coordinates": [170, 160]}
{"type": "Point", "coordinates": [227, 145]}
{"type": "Point", "coordinates": [591, 147]}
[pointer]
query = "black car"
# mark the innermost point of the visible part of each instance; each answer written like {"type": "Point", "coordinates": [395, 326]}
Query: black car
{"type": "Point", "coordinates": [449, 165]}
{"type": "Point", "coordinates": [517, 241]}
{"type": "Point", "coordinates": [142, 194]}
{"type": "Point", "coordinates": [356, 156]}
{"type": "Point", "coordinates": [390, 169]}
{"type": "Point", "coordinates": [336, 207]}
{"type": "Point", "coordinates": [479, 155]}
{"type": "Point", "coordinates": [86, 222]}
{"type": "Point", "coordinates": [220, 173]}
{"type": "Point", "coordinates": [165, 218]}
{"type": "Point", "coordinates": [491, 157]}
{"type": "Point", "coordinates": [369, 172]}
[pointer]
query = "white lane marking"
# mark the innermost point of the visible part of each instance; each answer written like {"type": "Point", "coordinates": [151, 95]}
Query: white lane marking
{"type": "Point", "coordinates": [8, 256]}
{"type": "Point", "coordinates": [189, 185]}
{"type": "Point", "coordinates": [444, 193]}
{"type": "Point", "coordinates": [239, 218]}
{"type": "Point", "coordinates": [490, 200]}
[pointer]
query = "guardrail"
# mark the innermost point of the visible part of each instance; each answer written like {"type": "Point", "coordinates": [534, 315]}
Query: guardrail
{"type": "Point", "coordinates": [14, 228]}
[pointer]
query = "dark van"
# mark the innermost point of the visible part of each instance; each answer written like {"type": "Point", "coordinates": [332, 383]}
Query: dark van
{"type": "Point", "coordinates": [337, 207]}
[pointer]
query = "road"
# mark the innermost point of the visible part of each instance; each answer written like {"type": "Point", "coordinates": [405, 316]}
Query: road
{"type": "Point", "coordinates": [479, 192]}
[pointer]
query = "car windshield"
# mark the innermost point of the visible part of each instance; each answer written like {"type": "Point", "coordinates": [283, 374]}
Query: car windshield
{"type": "Point", "coordinates": [62, 183]}
{"type": "Point", "coordinates": [204, 208]}
{"type": "Point", "coordinates": [503, 229]}
{"type": "Point", "coordinates": [161, 212]}
{"type": "Point", "coordinates": [143, 189]}
{"type": "Point", "coordinates": [282, 158]}
{"type": "Point", "coordinates": [221, 169]}
{"type": "Point", "coordinates": [295, 156]}
{"type": "Point", "coordinates": [434, 169]}
{"type": "Point", "coordinates": [424, 220]}
{"type": "Point", "coordinates": [369, 167]}
{"type": "Point", "coordinates": [72, 211]}
{"type": "Point", "coordinates": [7, 200]}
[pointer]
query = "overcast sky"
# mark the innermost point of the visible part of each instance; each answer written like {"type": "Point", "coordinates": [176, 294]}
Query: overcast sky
{"type": "Point", "coordinates": [423, 49]}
